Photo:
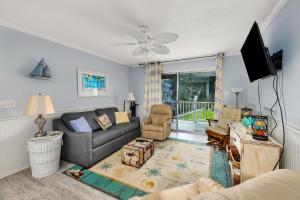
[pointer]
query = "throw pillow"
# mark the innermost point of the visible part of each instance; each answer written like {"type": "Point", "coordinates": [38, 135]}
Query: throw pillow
{"type": "Point", "coordinates": [121, 117]}
{"type": "Point", "coordinates": [104, 121]}
{"type": "Point", "coordinates": [223, 122]}
{"type": "Point", "coordinates": [80, 125]}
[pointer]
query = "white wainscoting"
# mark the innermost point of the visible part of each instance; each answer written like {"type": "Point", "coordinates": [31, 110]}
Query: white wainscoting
{"type": "Point", "coordinates": [15, 130]}
{"type": "Point", "coordinates": [291, 159]}
{"type": "Point", "coordinates": [13, 133]}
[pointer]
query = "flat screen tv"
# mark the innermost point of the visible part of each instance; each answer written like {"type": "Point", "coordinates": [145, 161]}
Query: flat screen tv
{"type": "Point", "coordinates": [256, 56]}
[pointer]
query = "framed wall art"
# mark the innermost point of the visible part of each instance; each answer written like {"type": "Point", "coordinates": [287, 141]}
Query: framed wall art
{"type": "Point", "coordinates": [91, 84]}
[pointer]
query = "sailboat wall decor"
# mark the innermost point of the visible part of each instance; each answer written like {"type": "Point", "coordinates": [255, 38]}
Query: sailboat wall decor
{"type": "Point", "coordinates": [41, 71]}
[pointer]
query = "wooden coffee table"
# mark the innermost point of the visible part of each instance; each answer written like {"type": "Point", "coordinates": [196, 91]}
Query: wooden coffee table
{"type": "Point", "coordinates": [137, 152]}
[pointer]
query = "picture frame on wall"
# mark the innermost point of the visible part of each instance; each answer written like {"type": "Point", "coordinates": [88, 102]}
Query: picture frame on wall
{"type": "Point", "coordinates": [91, 83]}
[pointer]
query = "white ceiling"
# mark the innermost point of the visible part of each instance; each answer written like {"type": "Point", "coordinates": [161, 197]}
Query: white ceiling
{"type": "Point", "coordinates": [204, 26]}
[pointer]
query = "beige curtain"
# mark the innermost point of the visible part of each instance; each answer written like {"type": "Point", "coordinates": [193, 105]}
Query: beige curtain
{"type": "Point", "coordinates": [219, 96]}
{"type": "Point", "coordinates": [153, 92]}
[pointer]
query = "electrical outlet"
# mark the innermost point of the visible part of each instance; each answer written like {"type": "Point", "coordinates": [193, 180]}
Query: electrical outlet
{"type": "Point", "coordinates": [7, 104]}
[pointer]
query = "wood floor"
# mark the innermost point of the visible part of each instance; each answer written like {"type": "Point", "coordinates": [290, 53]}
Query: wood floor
{"type": "Point", "coordinates": [21, 186]}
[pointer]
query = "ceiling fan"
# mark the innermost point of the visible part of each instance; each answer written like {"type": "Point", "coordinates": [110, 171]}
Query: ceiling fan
{"type": "Point", "coordinates": [147, 43]}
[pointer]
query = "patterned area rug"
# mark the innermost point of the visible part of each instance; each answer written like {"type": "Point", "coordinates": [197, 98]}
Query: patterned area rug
{"type": "Point", "coordinates": [175, 162]}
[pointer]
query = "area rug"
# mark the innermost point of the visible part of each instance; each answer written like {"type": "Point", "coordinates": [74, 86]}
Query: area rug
{"type": "Point", "coordinates": [175, 162]}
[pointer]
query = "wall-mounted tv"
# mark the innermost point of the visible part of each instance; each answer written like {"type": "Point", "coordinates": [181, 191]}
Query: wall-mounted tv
{"type": "Point", "coordinates": [256, 56]}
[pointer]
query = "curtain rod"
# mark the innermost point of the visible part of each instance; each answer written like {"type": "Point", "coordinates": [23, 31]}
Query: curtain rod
{"type": "Point", "coordinates": [183, 59]}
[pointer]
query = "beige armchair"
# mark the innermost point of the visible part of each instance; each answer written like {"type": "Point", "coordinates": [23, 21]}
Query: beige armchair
{"type": "Point", "coordinates": [218, 135]}
{"type": "Point", "coordinates": [157, 125]}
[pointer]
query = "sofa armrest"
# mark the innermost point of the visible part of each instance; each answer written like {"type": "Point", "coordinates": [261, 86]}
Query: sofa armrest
{"type": "Point", "coordinates": [212, 120]}
{"type": "Point", "coordinates": [134, 119]}
{"type": "Point", "coordinates": [207, 185]}
{"type": "Point", "coordinates": [178, 193]}
{"type": "Point", "coordinates": [77, 147]}
{"type": "Point", "coordinates": [167, 127]}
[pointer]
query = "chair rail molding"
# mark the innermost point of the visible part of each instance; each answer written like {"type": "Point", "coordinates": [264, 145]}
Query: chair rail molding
{"type": "Point", "coordinates": [14, 131]}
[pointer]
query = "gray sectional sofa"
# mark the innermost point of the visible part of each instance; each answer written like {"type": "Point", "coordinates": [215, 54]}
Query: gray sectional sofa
{"type": "Point", "coordinates": [86, 149]}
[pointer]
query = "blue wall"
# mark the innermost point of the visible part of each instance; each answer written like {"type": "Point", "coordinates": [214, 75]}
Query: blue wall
{"type": "Point", "coordinates": [19, 54]}
{"type": "Point", "coordinates": [283, 33]}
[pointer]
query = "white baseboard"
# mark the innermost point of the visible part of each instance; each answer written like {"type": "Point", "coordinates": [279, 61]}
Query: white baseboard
{"type": "Point", "coordinates": [13, 171]}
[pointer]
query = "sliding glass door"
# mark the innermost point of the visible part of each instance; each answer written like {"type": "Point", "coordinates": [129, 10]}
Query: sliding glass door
{"type": "Point", "coordinates": [192, 98]}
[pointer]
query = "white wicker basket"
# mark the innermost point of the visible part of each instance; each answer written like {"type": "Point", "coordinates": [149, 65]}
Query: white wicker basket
{"type": "Point", "coordinates": [44, 154]}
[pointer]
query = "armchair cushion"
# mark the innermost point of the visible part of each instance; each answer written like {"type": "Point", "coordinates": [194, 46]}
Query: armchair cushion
{"type": "Point", "coordinates": [233, 113]}
{"type": "Point", "coordinates": [159, 118]}
{"type": "Point", "coordinates": [218, 130]}
{"type": "Point", "coordinates": [224, 121]}
{"type": "Point", "coordinates": [147, 121]}
{"type": "Point", "coordinates": [153, 127]}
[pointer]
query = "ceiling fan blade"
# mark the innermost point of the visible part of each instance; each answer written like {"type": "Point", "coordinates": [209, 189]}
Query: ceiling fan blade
{"type": "Point", "coordinates": [139, 51]}
{"type": "Point", "coordinates": [160, 49]}
{"type": "Point", "coordinates": [124, 44]}
{"type": "Point", "coordinates": [165, 38]}
{"type": "Point", "coordinates": [139, 36]}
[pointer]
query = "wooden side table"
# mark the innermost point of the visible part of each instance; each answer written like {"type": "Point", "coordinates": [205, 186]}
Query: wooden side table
{"type": "Point", "coordinates": [44, 153]}
{"type": "Point", "coordinates": [256, 157]}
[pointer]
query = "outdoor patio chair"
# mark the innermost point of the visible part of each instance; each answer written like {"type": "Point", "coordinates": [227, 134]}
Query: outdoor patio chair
{"type": "Point", "coordinates": [219, 134]}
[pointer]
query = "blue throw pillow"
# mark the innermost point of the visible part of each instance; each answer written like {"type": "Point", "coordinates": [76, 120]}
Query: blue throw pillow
{"type": "Point", "coordinates": [80, 125]}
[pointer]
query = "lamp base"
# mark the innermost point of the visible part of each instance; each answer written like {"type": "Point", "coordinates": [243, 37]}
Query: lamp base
{"type": "Point", "coordinates": [40, 134]}
{"type": "Point", "coordinates": [40, 122]}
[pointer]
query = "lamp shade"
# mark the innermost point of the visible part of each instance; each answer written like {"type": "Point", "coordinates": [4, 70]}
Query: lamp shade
{"type": "Point", "coordinates": [39, 105]}
{"type": "Point", "coordinates": [130, 97]}
{"type": "Point", "coordinates": [236, 90]}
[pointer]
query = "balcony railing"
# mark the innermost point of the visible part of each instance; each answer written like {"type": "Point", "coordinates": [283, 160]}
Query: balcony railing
{"type": "Point", "coordinates": [193, 110]}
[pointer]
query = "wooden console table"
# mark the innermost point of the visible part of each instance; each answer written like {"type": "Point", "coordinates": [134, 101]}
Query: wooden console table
{"type": "Point", "coordinates": [256, 157]}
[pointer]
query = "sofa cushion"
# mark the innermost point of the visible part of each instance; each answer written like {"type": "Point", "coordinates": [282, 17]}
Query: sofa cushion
{"type": "Point", "coordinates": [80, 125]}
{"type": "Point", "coordinates": [282, 184]}
{"type": "Point", "coordinates": [88, 115]}
{"type": "Point", "coordinates": [109, 111]}
{"type": "Point", "coordinates": [104, 121]}
{"type": "Point", "coordinates": [101, 137]}
{"type": "Point", "coordinates": [127, 127]}
{"type": "Point", "coordinates": [121, 117]}
{"type": "Point", "coordinates": [153, 127]}
{"type": "Point", "coordinates": [224, 122]}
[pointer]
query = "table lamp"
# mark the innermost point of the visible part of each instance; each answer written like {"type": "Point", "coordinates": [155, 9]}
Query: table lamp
{"type": "Point", "coordinates": [131, 99]}
{"type": "Point", "coordinates": [237, 91]}
{"type": "Point", "coordinates": [39, 105]}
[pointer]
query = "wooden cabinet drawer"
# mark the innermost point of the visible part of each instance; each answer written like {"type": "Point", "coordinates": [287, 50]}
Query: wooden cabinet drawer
{"type": "Point", "coordinates": [236, 141]}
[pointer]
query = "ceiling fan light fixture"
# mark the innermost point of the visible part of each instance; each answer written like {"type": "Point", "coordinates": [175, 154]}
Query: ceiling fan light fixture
{"type": "Point", "coordinates": [148, 44]}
